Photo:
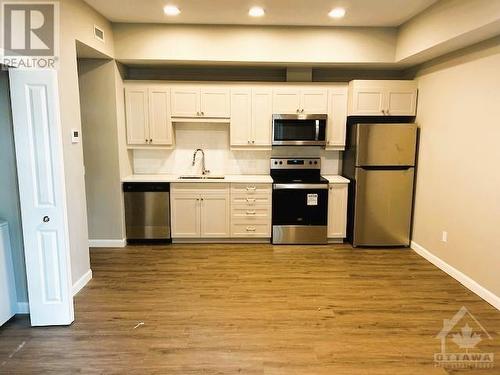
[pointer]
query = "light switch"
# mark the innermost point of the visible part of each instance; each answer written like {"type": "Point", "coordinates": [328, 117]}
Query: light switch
{"type": "Point", "coordinates": [75, 136]}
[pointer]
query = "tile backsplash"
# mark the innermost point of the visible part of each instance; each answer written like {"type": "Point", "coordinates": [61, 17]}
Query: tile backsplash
{"type": "Point", "coordinates": [219, 159]}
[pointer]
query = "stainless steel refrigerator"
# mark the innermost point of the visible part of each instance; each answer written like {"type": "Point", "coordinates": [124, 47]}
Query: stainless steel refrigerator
{"type": "Point", "coordinates": [380, 162]}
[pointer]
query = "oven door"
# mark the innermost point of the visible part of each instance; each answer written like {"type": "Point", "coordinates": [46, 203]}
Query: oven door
{"type": "Point", "coordinates": [300, 213]}
{"type": "Point", "coordinates": [299, 130]}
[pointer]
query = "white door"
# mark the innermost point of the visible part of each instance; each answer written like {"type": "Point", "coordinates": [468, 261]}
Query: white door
{"type": "Point", "coordinates": [185, 215]}
{"type": "Point", "coordinates": [215, 102]}
{"type": "Point", "coordinates": [262, 115]}
{"type": "Point", "coordinates": [185, 101]}
{"type": "Point", "coordinates": [337, 118]}
{"type": "Point", "coordinates": [136, 108]}
{"type": "Point", "coordinates": [286, 101]}
{"type": "Point", "coordinates": [337, 211]}
{"type": "Point", "coordinates": [160, 124]}
{"type": "Point", "coordinates": [240, 128]}
{"type": "Point", "coordinates": [314, 101]}
{"type": "Point", "coordinates": [39, 154]}
{"type": "Point", "coordinates": [215, 216]}
{"type": "Point", "coordinates": [368, 98]}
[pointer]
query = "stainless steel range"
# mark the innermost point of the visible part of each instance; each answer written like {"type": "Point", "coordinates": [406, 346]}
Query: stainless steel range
{"type": "Point", "coordinates": [300, 201]}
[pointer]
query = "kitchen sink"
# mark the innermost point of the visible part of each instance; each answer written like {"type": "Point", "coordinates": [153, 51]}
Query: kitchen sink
{"type": "Point", "coordinates": [201, 177]}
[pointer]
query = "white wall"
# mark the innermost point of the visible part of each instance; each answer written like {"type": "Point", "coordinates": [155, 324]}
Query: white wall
{"type": "Point", "coordinates": [9, 191]}
{"type": "Point", "coordinates": [225, 44]}
{"type": "Point", "coordinates": [447, 26]}
{"type": "Point", "coordinates": [458, 179]}
{"type": "Point", "coordinates": [100, 149]}
{"type": "Point", "coordinates": [214, 139]}
{"type": "Point", "coordinates": [77, 22]}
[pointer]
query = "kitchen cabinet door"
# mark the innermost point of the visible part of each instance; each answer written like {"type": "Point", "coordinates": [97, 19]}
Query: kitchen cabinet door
{"type": "Point", "coordinates": [185, 215]}
{"type": "Point", "coordinates": [401, 98]}
{"type": "Point", "coordinates": [215, 102]}
{"type": "Point", "coordinates": [368, 101]}
{"type": "Point", "coordinates": [286, 101]}
{"type": "Point", "coordinates": [215, 216]}
{"type": "Point", "coordinates": [185, 101]}
{"type": "Point", "coordinates": [137, 115]}
{"type": "Point", "coordinates": [262, 115]}
{"type": "Point", "coordinates": [314, 101]}
{"type": "Point", "coordinates": [337, 118]}
{"type": "Point", "coordinates": [160, 124]}
{"type": "Point", "coordinates": [337, 211]}
{"type": "Point", "coordinates": [240, 128]}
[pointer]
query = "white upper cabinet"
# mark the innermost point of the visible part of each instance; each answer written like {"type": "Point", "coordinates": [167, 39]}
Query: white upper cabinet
{"type": "Point", "coordinates": [241, 117]}
{"type": "Point", "coordinates": [204, 101]}
{"type": "Point", "coordinates": [136, 108]}
{"type": "Point", "coordinates": [286, 101]}
{"type": "Point", "coordinates": [185, 101]}
{"type": "Point", "coordinates": [300, 100]}
{"type": "Point", "coordinates": [160, 125]}
{"type": "Point", "coordinates": [314, 101]}
{"type": "Point", "coordinates": [214, 102]}
{"type": "Point", "coordinates": [251, 116]}
{"type": "Point", "coordinates": [337, 118]}
{"type": "Point", "coordinates": [262, 114]}
{"type": "Point", "coordinates": [148, 115]}
{"type": "Point", "coordinates": [382, 98]}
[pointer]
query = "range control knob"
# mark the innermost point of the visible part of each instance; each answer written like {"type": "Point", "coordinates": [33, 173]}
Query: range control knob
{"type": "Point", "coordinates": [275, 162]}
{"type": "Point", "coordinates": [315, 162]}
{"type": "Point", "coordinates": [281, 162]}
{"type": "Point", "coordinates": [310, 162]}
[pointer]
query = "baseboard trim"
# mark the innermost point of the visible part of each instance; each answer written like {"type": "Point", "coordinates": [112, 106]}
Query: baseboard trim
{"type": "Point", "coordinates": [82, 281]}
{"type": "Point", "coordinates": [220, 240]}
{"type": "Point", "coordinates": [23, 308]}
{"type": "Point", "coordinates": [108, 243]}
{"type": "Point", "coordinates": [462, 278]}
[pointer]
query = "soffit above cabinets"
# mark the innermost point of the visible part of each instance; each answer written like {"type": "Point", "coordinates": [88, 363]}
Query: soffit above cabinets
{"type": "Point", "coordinates": [386, 13]}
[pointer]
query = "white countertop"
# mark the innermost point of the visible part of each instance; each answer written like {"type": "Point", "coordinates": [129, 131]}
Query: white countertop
{"type": "Point", "coordinates": [243, 178]}
{"type": "Point", "coordinates": [334, 179]}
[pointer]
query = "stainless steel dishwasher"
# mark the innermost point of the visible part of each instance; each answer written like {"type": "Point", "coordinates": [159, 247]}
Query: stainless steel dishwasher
{"type": "Point", "coordinates": [147, 211]}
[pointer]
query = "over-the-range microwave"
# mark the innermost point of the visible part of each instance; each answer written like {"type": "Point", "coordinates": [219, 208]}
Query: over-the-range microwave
{"type": "Point", "coordinates": [299, 130]}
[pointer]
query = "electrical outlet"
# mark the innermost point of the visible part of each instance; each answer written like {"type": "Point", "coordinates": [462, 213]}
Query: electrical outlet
{"type": "Point", "coordinates": [444, 236]}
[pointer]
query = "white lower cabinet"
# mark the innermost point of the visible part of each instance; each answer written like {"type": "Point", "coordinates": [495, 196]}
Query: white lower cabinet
{"type": "Point", "coordinates": [337, 210]}
{"type": "Point", "coordinates": [200, 210]}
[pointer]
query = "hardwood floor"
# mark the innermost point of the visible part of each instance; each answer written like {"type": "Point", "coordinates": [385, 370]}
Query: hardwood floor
{"type": "Point", "coordinates": [252, 309]}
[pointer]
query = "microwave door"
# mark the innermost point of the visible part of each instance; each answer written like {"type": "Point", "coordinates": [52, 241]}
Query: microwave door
{"type": "Point", "coordinates": [294, 131]}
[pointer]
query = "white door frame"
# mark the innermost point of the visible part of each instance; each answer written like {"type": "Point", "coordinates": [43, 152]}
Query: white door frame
{"type": "Point", "coordinates": [42, 193]}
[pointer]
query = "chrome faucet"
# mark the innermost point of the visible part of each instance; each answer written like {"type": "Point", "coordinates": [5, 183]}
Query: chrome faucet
{"type": "Point", "coordinates": [203, 169]}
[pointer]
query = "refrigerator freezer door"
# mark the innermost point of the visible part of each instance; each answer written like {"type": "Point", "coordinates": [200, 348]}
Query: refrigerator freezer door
{"type": "Point", "coordinates": [383, 206]}
{"type": "Point", "coordinates": [386, 144]}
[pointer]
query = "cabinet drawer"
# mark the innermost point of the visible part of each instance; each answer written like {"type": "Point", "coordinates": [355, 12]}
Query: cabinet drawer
{"type": "Point", "coordinates": [250, 230]}
{"type": "Point", "coordinates": [250, 200]}
{"type": "Point", "coordinates": [243, 213]}
{"type": "Point", "coordinates": [251, 189]}
{"type": "Point", "coordinates": [199, 188]}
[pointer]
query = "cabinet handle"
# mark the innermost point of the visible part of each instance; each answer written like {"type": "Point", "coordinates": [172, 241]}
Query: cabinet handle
{"type": "Point", "coordinates": [46, 219]}
{"type": "Point", "coordinates": [250, 200]}
{"type": "Point", "coordinates": [253, 142]}
{"type": "Point", "coordinates": [151, 140]}
{"type": "Point", "coordinates": [203, 113]}
{"type": "Point", "coordinates": [302, 110]}
{"type": "Point", "coordinates": [251, 188]}
{"type": "Point", "coordinates": [251, 212]}
{"type": "Point", "coordinates": [387, 112]}
{"type": "Point", "coordinates": [383, 111]}
{"type": "Point", "coordinates": [145, 141]}
{"type": "Point", "coordinates": [250, 229]}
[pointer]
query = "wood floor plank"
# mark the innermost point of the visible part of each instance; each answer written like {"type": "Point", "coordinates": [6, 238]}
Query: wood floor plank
{"type": "Point", "coordinates": [251, 309]}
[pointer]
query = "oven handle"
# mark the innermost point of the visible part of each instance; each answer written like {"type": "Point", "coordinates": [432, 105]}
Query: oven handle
{"type": "Point", "coordinates": [300, 186]}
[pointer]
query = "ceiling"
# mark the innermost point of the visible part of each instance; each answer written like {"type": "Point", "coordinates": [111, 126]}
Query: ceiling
{"type": "Point", "coordinates": [278, 12]}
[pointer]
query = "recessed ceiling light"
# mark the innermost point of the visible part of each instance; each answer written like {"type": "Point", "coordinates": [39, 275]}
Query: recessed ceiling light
{"type": "Point", "coordinates": [171, 10]}
{"type": "Point", "coordinates": [337, 13]}
{"type": "Point", "coordinates": [256, 12]}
